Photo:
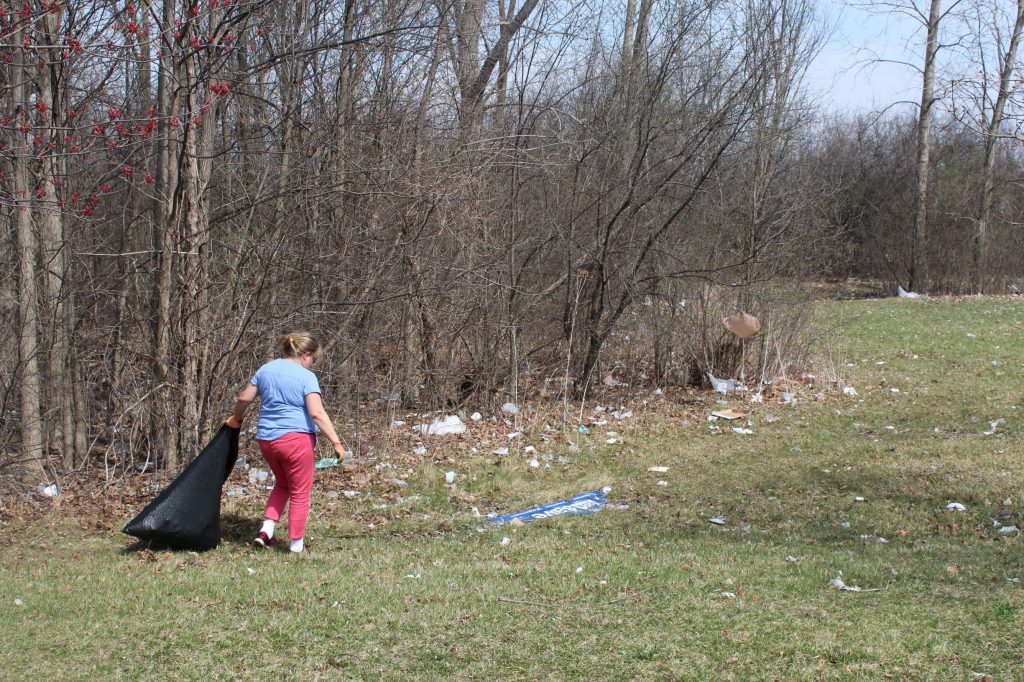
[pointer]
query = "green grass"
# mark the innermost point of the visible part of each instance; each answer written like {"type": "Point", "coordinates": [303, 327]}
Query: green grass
{"type": "Point", "coordinates": [427, 594]}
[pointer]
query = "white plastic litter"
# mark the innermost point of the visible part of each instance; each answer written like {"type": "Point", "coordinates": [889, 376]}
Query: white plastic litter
{"type": "Point", "coordinates": [501, 452]}
{"type": "Point", "coordinates": [717, 520]}
{"type": "Point", "coordinates": [658, 470]}
{"type": "Point", "coordinates": [442, 426]}
{"type": "Point", "coordinates": [420, 451]}
{"type": "Point", "coordinates": [398, 483]}
{"type": "Point", "coordinates": [728, 595]}
{"type": "Point", "coordinates": [258, 475]}
{"type": "Point", "coordinates": [663, 484]}
{"type": "Point", "coordinates": [787, 399]}
{"type": "Point", "coordinates": [534, 464]}
{"type": "Point", "coordinates": [900, 293]}
{"type": "Point", "coordinates": [850, 391]}
{"type": "Point", "coordinates": [476, 416]}
{"type": "Point", "coordinates": [858, 499]}
{"type": "Point", "coordinates": [48, 490]}
{"type": "Point", "coordinates": [397, 423]}
{"type": "Point", "coordinates": [18, 602]}
{"type": "Point", "coordinates": [506, 541]}
{"type": "Point", "coordinates": [956, 506]}
{"type": "Point", "coordinates": [449, 477]}
{"type": "Point", "coordinates": [1007, 530]}
{"type": "Point", "coordinates": [579, 569]}
{"type": "Point", "coordinates": [350, 494]}
{"type": "Point", "coordinates": [742, 431]}
{"type": "Point", "coordinates": [510, 409]}
{"type": "Point", "coordinates": [723, 386]}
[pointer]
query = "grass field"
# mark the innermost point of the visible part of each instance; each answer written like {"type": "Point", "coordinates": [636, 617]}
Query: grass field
{"type": "Point", "coordinates": [649, 592]}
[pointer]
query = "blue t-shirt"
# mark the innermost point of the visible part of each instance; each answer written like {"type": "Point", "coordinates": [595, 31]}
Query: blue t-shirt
{"type": "Point", "coordinates": [283, 386]}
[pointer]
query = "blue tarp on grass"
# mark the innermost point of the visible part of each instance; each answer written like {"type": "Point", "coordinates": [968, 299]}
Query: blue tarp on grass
{"type": "Point", "coordinates": [586, 503]}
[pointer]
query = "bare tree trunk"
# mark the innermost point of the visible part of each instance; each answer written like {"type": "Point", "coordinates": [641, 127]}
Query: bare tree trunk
{"type": "Point", "coordinates": [165, 418]}
{"type": "Point", "coordinates": [919, 256]}
{"type": "Point", "coordinates": [991, 138]}
{"type": "Point", "coordinates": [57, 304]}
{"type": "Point", "coordinates": [32, 456]}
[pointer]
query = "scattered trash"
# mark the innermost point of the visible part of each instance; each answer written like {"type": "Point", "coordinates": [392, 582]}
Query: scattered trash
{"type": "Point", "coordinates": [728, 414]}
{"type": "Point", "coordinates": [48, 490]}
{"type": "Point", "coordinates": [607, 489]}
{"type": "Point", "coordinates": [971, 335]}
{"type": "Point", "coordinates": [585, 503]}
{"type": "Point", "coordinates": [350, 494]}
{"type": "Point", "coordinates": [956, 506]}
{"type": "Point", "coordinates": [1008, 530]}
{"type": "Point", "coordinates": [792, 559]}
{"type": "Point", "coordinates": [501, 452]}
{"type": "Point", "coordinates": [663, 484]}
{"type": "Point", "coordinates": [442, 426]}
{"type": "Point", "coordinates": [613, 441]}
{"type": "Point", "coordinates": [258, 475]}
{"type": "Point", "coordinates": [579, 569]}
{"type": "Point", "coordinates": [658, 470]}
{"type": "Point", "coordinates": [420, 451]}
{"type": "Point", "coordinates": [850, 391]}
{"type": "Point", "coordinates": [398, 483]}
{"type": "Point", "coordinates": [728, 595]}
{"type": "Point", "coordinates": [742, 324]}
{"type": "Point", "coordinates": [625, 414]}
{"type": "Point", "coordinates": [894, 391]}
{"type": "Point", "coordinates": [717, 520]}
{"type": "Point", "coordinates": [900, 293]}
{"type": "Point", "coordinates": [583, 429]}
{"type": "Point", "coordinates": [771, 418]}
{"type": "Point", "coordinates": [858, 498]}
{"type": "Point", "coordinates": [412, 576]}
{"type": "Point", "coordinates": [510, 409]}
{"type": "Point", "coordinates": [534, 464]}
{"type": "Point", "coordinates": [476, 416]}
{"type": "Point", "coordinates": [984, 677]}
{"type": "Point", "coordinates": [993, 426]}
{"type": "Point", "coordinates": [787, 399]}
{"type": "Point", "coordinates": [326, 463]}
{"type": "Point", "coordinates": [449, 477]}
{"type": "Point", "coordinates": [723, 386]}
{"type": "Point", "coordinates": [658, 391]}
{"type": "Point", "coordinates": [251, 570]}
{"type": "Point", "coordinates": [757, 398]}
{"type": "Point", "coordinates": [506, 541]}
{"type": "Point", "coordinates": [742, 431]}
{"type": "Point", "coordinates": [18, 602]}
{"type": "Point", "coordinates": [397, 423]}
{"type": "Point", "coordinates": [839, 584]}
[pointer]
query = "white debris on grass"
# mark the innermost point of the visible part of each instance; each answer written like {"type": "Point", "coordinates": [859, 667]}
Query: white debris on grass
{"type": "Point", "coordinates": [442, 426]}
{"type": "Point", "coordinates": [419, 451]}
{"type": "Point", "coordinates": [501, 452]}
{"type": "Point", "coordinates": [1008, 530]}
{"type": "Point", "coordinates": [476, 416]}
{"type": "Point", "coordinates": [723, 386]}
{"type": "Point", "coordinates": [658, 470]}
{"type": "Point", "coordinates": [850, 391]}
{"type": "Point", "coordinates": [510, 409]}
{"type": "Point", "coordinates": [663, 484]}
{"type": "Point", "coordinates": [955, 506]}
{"type": "Point", "coordinates": [534, 464]}
{"type": "Point", "coordinates": [742, 431]}
{"type": "Point", "coordinates": [858, 498]}
{"type": "Point", "coordinates": [901, 293]}
{"type": "Point", "coordinates": [449, 477]}
{"type": "Point", "coordinates": [717, 520]}
{"type": "Point", "coordinates": [506, 541]}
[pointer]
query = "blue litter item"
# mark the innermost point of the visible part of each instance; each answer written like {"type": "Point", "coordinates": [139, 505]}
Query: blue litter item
{"type": "Point", "coordinates": [326, 463]}
{"type": "Point", "coordinates": [585, 503]}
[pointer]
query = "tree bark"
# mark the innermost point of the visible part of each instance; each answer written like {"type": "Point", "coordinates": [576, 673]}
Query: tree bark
{"type": "Point", "coordinates": [919, 256]}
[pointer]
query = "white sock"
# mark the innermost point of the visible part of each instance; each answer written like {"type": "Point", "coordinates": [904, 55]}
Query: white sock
{"type": "Point", "coordinates": [296, 545]}
{"type": "Point", "coordinates": [268, 527]}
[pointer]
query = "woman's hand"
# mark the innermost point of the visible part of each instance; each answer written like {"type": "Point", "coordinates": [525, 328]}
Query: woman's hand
{"type": "Point", "coordinates": [233, 422]}
{"type": "Point", "coordinates": [339, 450]}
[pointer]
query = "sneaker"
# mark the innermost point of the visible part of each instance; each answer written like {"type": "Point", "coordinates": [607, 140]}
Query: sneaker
{"type": "Point", "coordinates": [263, 540]}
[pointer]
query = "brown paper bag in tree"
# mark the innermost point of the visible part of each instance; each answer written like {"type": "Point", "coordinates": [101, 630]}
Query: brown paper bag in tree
{"type": "Point", "coordinates": [742, 325]}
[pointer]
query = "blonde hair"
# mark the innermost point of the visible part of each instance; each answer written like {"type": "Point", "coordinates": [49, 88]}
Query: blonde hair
{"type": "Point", "coordinates": [297, 344]}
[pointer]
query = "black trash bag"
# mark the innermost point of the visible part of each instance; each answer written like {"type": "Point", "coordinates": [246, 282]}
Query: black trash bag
{"type": "Point", "coordinates": [186, 514]}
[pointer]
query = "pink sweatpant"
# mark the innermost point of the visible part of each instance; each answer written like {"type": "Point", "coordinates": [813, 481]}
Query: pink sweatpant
{"type": "Point", "coordinates": [291, 459]}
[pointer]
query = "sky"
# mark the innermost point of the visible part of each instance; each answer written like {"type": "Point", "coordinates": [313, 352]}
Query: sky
{"type": "Point", "coordinates": [844, 76]}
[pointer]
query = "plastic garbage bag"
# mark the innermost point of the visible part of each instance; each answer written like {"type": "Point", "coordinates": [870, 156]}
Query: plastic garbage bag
{"type": "Point", "coordinates": [723, 386]}
{"type": "Point", "coordinates": [742, 324]}
{"type": "Point", "coordinates": [186, 514]}
{"type": "Point", "coordinates": [900, 293]}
